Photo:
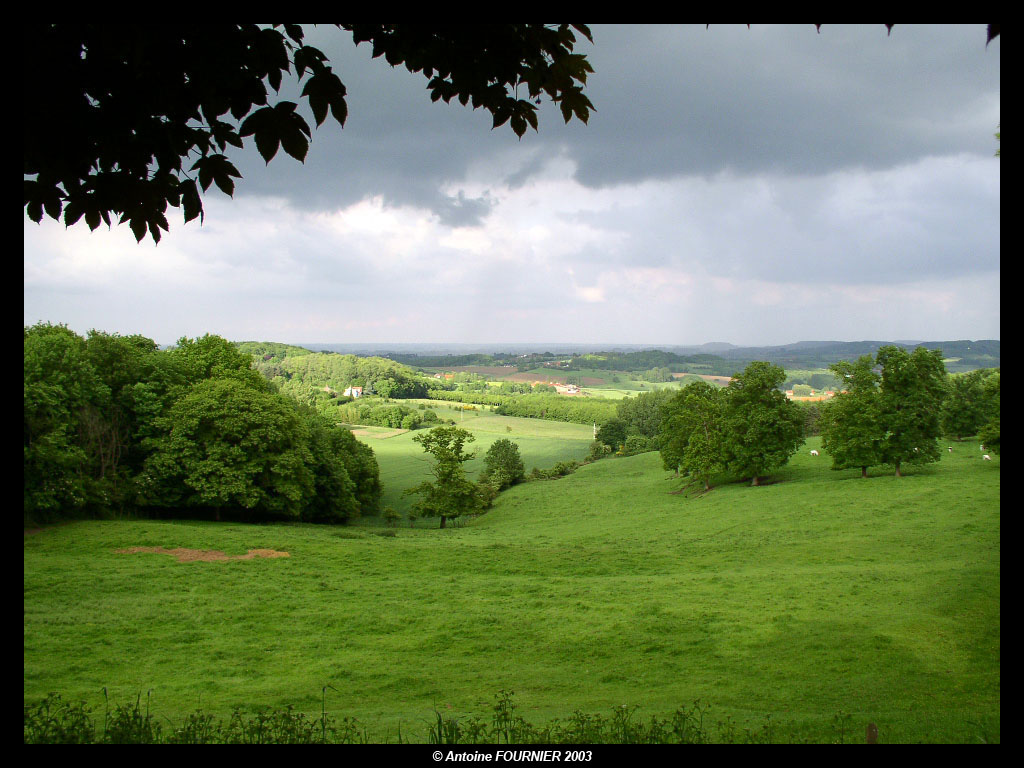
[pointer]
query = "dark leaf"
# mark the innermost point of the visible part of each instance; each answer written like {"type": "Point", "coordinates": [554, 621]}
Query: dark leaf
{"type": "Point", "coordinates": [72, 213]}
{"type": "Point", "coordinates": [226, 185]}
{"type": "Point", "coordinates": [267, 143]}
{"type": "Point", "coordinates": [34, 209]}
{"type": "Point", "coordinates": [190, 201]}
{"type": "Point", "coordinates": [138, 224]}
{"type": "Point", "coordinates": [256, 121]}
{"type": "Point", "coordinates": [339, 109]}
{"type": "Point", "coordinates": [518, 124]}
{"type": "Point", "coordinates": [295, 144]}
{"type": "Point", "coordinates": [53, 206]}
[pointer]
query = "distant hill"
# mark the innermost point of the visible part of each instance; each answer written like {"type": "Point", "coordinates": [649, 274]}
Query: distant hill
{"type": "Point", "coordinates": [961, 355]}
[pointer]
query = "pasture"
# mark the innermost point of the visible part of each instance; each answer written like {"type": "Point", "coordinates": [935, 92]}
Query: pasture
{"type": "Point", "coordinates": [403, 464]}
{"type": "Point", "coordinates": [817, 594]}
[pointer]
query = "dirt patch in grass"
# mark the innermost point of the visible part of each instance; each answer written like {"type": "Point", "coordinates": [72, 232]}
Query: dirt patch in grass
{"type": "Point", "coordinates": [206, 555]}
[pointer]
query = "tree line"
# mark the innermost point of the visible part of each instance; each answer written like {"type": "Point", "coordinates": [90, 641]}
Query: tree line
{"type": "Point", "coordinates": [333, 373]}
{"type": "Point", "coordinates": [575, 410]}
{"type": "Point", "coordinates": [892, 410]}
{"type": "Point", "coordinates": [114, 425]}
{"type": "Point", "coordinates": [895, 407]}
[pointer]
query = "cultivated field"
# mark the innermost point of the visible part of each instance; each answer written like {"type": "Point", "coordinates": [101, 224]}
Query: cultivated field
{"type": "Point", "coordinates": [819, 594]}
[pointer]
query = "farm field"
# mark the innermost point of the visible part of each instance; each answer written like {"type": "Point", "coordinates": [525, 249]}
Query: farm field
{"type": "Point", "coordinates": [818, 594]}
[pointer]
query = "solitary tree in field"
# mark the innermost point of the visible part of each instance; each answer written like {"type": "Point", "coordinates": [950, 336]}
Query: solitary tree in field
{"type": "Point", "coordinates": [761, 428]}
{"type": "Point", "coordinates": [852, 430]}
{"type": "Point", "coordinates": [451, 494]}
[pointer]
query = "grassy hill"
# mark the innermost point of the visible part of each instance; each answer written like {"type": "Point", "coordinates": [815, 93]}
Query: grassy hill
{"type": "Point", "coordinates": [819, 594]}
{"type": "Point", "coordinates": [403, 464]}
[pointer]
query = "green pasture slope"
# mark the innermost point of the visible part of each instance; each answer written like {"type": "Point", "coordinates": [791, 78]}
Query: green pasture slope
{"type": "Point", "coordinates": [818, 594]}
{"type": "Point", "coordinates": [542, 444]}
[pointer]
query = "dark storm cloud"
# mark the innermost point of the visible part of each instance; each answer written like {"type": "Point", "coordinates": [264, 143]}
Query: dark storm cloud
{"type": "Point", "coordinates": [671, 100]}
{"type": "Point", "coordinates": [681, 100]}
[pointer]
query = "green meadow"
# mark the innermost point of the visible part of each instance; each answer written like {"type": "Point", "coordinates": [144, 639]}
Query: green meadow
{"type": "Point", "coordinates": [816, 599]}
{"type": "Point", "coordinates": [403, 464]}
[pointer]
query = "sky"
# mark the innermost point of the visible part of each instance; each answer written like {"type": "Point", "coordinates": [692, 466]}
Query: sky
{"type": "Point", "coordinates": [755, 186]}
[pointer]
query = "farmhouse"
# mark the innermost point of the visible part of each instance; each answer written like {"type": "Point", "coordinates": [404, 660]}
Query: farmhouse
{"type": "Point", "coordinates": [353, 392]}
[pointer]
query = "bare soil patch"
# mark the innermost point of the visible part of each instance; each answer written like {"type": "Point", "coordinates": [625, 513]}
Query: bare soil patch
{"type": "Point", "coordinates": [206, 555]}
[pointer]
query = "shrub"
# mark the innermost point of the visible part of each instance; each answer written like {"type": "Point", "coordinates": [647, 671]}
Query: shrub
{"type": "Point", "coordinates": [391, 516]}
{"type": "Point", "coordinates": [635, 444]}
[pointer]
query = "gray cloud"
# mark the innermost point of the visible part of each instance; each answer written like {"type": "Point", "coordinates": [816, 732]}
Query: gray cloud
{"type": "Point", "coordinates": [671, 100]}
{"type": "Point", "coordinates": [733, 184]}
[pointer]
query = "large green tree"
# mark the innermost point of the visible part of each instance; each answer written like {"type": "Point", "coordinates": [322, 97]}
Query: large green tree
{"type": "Point", "coordinates": [503, 466]}
{"type": "Point", "coordinates": [642, 414]}
{"type": "Point", "coordinates": [852, 429]}
{"type": "Point", "coordinates": [761, 428]}
{"type": "Point", "coordinates": [701, 420]}
{"type": "Point", "coordinates": [612, 433]}
{"type": "Point", "coordinates": [123, 120]}
{"type": "Point", "coordinates": [911, 392]}
{"type": "Point", "coordinates": [451, 494]}
{"type": "Point", "coordinates": [333, 497]}
{"type": "Point", "coordinates": [60, 385]}
{"type": "Point", "coordinates": [989, 433]}
{"type": "Point", "coordinates": [967, 406]}
{"type": "Point", "coordinates": [674, 431]}
{"type": "Point", "coordinates": [231, 449]}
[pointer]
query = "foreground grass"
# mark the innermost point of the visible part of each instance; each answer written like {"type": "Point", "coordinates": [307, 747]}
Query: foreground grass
{"type": "Point", "coordinates": [817, 594]}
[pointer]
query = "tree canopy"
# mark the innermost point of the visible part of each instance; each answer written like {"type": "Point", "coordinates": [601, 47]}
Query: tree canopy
{"type": "Point", "coordinates": [114, 424]}
{"type": "Point", "coordinates": [911, 392]}
{"type": "Point", "coordinates": [122, 121]}
{"type": "Point", "coordinates": [761, 428]}
{"type": "Point", "coordinates": [503, 466]}
{"type": "Point", "coordinates": [852, 430]}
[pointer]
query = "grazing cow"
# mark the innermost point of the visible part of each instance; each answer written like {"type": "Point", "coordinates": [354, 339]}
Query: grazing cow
{"type": "Point", "coordinates": [814, 453]}
{"type": "Point", "coordinates": [986, 457]}
{"type": "Point", "coordinates": [951, 449]}
{"type": "Point", "coordinates": [981, 448]}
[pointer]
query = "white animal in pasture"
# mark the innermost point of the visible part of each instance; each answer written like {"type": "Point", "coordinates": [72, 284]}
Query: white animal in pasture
{"type": "Point", "coordinates": [951, 449]}
{"type": "Point", "coordinates": [986, 457]}
{"type": "Point", "coordinates": [814, 453]}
